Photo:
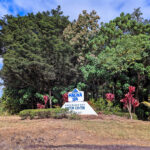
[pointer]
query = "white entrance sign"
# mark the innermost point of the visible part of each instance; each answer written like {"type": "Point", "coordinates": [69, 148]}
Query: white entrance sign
{"type": "Point", "coordinates": [82, 108]}
{"type": "Point", "coordinates": [77, 105]}
{"type": "Point", "coordinates": [76, 95]}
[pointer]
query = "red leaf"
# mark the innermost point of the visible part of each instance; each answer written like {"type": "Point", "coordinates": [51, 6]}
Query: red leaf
{"type": "Point", "coordinates": [65, 97]}
{"type": "Point", "coordinates": [45, 99]}
{"type": "Point", "coordinates": [110, 96]}
{"type": "Point", "coordinates": [129, 99]}
{"type": "Point", "coordinates": [131, 89]}
{"type": "Point", "coordinates": [136, 103]}
{"type": "Point", "coordinates": [40, 106]}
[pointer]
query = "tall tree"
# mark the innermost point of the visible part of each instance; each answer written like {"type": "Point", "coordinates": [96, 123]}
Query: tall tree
{"type": "Point", "coordinates": [78, 34]}
{"type": "Point", "coordinates": [80, 31]}
{"type": "Point", "coordinates": [108, 38]}
{"type": "Point", "coordinates": [35, 54]}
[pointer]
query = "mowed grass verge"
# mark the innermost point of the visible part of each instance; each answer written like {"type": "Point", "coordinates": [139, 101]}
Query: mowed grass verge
{"type": "Point", "coordinates": [105, 131]}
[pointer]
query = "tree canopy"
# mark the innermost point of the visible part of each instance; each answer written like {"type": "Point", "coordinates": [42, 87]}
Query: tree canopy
{"type": "Point", "coordinates": [46, 54]}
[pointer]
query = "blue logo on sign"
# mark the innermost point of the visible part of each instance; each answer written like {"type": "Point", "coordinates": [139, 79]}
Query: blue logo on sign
{"type": "Point", "coordinates": [75, 95]}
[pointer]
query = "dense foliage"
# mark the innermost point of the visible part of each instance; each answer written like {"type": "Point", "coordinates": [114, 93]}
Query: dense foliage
{"type": "Point", "coordinates": [57, 113]}
{"type": "Point", "coordinates": [36, 58]}
{"type": "Point", "coordinates": [47, 55]}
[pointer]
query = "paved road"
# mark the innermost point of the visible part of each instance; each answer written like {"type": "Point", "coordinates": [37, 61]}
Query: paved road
{"type": "Point", "coordinates": [87, 147]}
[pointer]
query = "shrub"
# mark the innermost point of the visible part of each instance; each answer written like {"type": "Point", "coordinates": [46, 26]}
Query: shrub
{"type": "Point", "coordinates": [74, 116]}
{"type": "Point", "coordinates": [40, 106]}
{"type": "Point", "coordinates": [65, 97]}
{"type": "Point", "coordinates": [104, 105]}
{"type": "Point", "coordinates": [129, 101]}
{"type": "Point", "coordinates": [110, 96]}
{"type": "Point", "coordinates": [59, 113]}
{"type": "Point", "coordinates": [143, 111]}
{"type": "Point", "coordinates": [10, 104]}
{"type": "Point", "coordinates": [3, 110]}
{"type": "Point", "coordinates": [98, 105]}
{"type": "Point", "coordinates": [25, 114]}
{"type": "Point", "coordinates": [43, 113]}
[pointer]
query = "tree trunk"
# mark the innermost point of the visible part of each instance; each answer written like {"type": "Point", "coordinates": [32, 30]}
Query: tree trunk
{"type": "Point", "coordinates": [32, 104]}
{"type": "Point", "coordinates": [114, 88]}
{"type": "Point", "coordinates": [97, 86]}
{"type": "Point", "coordinates": [138, 84]}
{"type": "Point", "coordinates": [130, 110]}
{"type": "Point", "coordinates": [130, 115]}
{"type": "Point", "coordinates": [50, 99]}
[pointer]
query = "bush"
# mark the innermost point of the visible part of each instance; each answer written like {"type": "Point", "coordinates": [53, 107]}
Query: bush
{"type": "Point", "coordinates": [109, 108]}
{"type": "Point", "coordinates": [59, 113]}
{"type": "Point", "coordinates": [3, 111]}
{"type": "Point", "coordinates": [13, 102]}
{"type": "Point", "coordinates": [11, 105]}
{"type": "Point", "coordinates": [143, 111]}
{"type": "Point", "coordinates": [74, 116]}
{"type": "Point", "coordinates": [98, 105]}
{"type": "Point", "coordinates": [43, 113]}
{"type": "Point", "coordinates": [103, 105]}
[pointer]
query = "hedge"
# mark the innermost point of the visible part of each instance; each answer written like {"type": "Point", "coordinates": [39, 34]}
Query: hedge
{"type": "Point", "coordinates": [57, 113]}
{"type": "Point", "coordinates": [44, 113]}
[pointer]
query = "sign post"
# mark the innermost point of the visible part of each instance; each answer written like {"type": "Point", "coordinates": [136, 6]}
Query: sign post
{"type": "Point", "coordinates": [77, 104]}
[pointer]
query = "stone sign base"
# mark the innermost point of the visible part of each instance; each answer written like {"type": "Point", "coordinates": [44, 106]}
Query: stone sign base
{"type": "Point", "coordinates": [82, 108]}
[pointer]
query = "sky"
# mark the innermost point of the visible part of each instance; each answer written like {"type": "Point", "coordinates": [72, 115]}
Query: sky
{"type": "Point", "coordinates": [106, 9]}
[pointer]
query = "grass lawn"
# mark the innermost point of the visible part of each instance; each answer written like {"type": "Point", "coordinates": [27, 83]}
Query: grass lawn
{"type": "Point", "coordinates": [106, 130]}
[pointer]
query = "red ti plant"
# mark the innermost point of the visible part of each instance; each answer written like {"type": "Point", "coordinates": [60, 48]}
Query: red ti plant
{"type": "Point", "coordinates": [110, 96]}
{"type": "Point", "coordinates": [129, 101]}
{"type": "Point", "coordinates": [45, 99]}
{"type": "Point", "coordinates": [65, 97]}
{"type": "Point", "coordinates": [40, 106]}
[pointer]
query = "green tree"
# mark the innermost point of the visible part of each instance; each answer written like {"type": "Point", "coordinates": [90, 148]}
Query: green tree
{"type": "Point", "coordinates": [35, 54]}
{"type": "Point", "coordinates": [130, 57]}
{"type": "Point", "coordinates": [108, 39]}
{"type": "Point", "coordinates": [79, 32]}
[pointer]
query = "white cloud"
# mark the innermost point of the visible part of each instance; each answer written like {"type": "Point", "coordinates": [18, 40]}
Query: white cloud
{"type": "Point", "coordinates": [35, 5]}
{"type": "Point", "coordinates": [1, 87]}
{"type": "Point", "coordinates": [1, 90]}
{"type": "Point", "coordinates": [1, 60]}
{"type": "Point", "coordinates": [4, 9]}
{"type": "Point", "coordinates": [106, 9]}
{"type": "Point", "coordinates": [1, 81]}
{"type": "Point", "coordinates": [1, 63]}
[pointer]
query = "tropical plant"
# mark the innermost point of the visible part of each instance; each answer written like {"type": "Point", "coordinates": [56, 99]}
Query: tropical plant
{"type": "Point", "coordinates": [129, 101]}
